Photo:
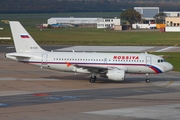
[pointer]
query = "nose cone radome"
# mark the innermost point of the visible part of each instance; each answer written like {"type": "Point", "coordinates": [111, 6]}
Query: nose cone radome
{"type": "Point", "coordinates": [169, 67]}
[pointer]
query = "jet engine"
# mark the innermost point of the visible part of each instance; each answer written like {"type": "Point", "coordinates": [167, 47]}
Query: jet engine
{"type": "Point", "coordinates": [116, 75]}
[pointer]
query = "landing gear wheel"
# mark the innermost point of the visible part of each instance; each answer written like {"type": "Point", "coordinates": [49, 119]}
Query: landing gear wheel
{"type": "Point", "coordinates": [147, 80]}
{"type": "Point", "coordinates": [92, 79]}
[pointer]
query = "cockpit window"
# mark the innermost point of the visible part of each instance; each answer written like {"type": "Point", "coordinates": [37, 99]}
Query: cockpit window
{"type": "Point", "coordinates": [161, 60]}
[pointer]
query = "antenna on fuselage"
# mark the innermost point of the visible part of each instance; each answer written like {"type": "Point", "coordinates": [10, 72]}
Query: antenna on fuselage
{"type": "Point", "coordinates": [144, 52]}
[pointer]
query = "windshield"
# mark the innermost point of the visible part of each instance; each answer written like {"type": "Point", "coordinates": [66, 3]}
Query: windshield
{"type": "Point", "coordinates": [161, 60]}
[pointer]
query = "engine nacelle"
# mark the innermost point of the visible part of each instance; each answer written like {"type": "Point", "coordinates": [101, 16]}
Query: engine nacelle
{"type": "Point", "coordinates": [116, 75]}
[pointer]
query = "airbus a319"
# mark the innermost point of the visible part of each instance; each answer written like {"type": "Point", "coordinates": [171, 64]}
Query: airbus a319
{"type": "Point", "coordinates": [113, 66]}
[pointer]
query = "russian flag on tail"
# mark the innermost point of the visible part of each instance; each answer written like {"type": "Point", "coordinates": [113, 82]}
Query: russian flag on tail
{"type": "Point", "coordinates": [24, 36]}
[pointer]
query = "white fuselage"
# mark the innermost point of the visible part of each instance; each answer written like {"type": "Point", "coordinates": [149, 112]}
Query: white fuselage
{"type": "Point", "coordinates": [78, 61]}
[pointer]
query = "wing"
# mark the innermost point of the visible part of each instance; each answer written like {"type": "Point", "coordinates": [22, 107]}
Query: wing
{"type": "Point", "coordinates": [93, 68]}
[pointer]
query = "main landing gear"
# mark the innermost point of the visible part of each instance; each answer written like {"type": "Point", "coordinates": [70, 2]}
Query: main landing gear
{"type": "Point", "coordinates": [147, 78]}
{"type": "Point", "coordinates": [92, 79]}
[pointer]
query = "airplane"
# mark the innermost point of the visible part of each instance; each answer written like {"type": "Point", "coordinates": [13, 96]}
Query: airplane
{"type": "Point", "coordinates": [113, 66]}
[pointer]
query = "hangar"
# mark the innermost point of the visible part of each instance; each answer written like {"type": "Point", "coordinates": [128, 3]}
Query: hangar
{"type": "Point", "coordinates": [147, 13]}
{"type": "Point", "coordinates": [72, 20]}
{"type": "Point", "coordinates": [114, 23]}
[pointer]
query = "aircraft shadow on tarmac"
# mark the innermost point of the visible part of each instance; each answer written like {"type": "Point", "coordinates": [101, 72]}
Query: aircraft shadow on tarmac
{"type": "Point", "coordinates": [105, 80]}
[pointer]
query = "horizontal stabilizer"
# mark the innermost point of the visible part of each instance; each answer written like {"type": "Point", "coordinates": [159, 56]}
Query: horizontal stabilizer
{"type": "Point", "coordinates": [18, 56]}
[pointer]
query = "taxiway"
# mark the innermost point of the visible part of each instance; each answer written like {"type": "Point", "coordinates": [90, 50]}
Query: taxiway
{"type": "Point", "coordinates": [31, 93]}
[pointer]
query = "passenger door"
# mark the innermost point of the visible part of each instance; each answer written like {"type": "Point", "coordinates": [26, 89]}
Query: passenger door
{"type": "Point", "coordinates": [44, 60]}
{"type": "Point", "coordinates": [148, 60]}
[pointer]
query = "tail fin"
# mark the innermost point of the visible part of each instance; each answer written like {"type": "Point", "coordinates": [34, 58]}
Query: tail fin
{"type": "Point", "coordinates": [22, 39]}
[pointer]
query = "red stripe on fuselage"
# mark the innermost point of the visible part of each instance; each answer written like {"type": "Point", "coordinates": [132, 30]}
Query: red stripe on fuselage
{"type": "Point", "coordinates": [155, 69]}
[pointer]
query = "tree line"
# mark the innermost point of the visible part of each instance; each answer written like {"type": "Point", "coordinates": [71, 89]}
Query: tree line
{"type": "Point", "coordinates": [56, 6]}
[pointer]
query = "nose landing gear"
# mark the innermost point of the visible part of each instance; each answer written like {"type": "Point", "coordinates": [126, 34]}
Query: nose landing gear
{"type": "Point", "coordinates": [147, 78]}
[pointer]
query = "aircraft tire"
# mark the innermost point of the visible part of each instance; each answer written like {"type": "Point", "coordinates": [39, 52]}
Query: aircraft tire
{"type": "Point", "coordinates": [92, 79]}
{"type": "Point", "coordinates": [147, 80]}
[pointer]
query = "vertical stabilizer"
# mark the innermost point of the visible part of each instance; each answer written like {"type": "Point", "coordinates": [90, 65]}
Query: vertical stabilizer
{"type": "Point", "coordinates": [22, 39]}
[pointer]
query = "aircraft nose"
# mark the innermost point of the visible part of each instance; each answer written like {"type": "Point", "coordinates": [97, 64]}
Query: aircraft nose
{"type": "Point", "coordinates": [169, 67]}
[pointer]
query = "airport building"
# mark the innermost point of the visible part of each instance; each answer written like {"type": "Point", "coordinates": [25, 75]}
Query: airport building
{"type": "Point", "coordinates": [147, 13]}
{"type": "Point", "coordinates": [109, 23]}
{"type": "Point", "coordinates": [172, 14]}
{"type": "Point", "coordinates": [114, 23]}
{"type": "Point", "coordinates": [72, 20]}
{"type": "Point", "coordinates": [172, 22]}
